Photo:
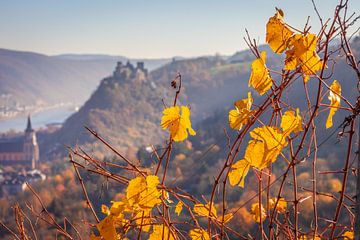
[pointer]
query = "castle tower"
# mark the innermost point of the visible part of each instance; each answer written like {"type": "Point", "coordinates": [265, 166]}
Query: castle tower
{"type": "Point", "coordinates": [117, 72]}
{"type": "Point", "coordinates": [31, 147]}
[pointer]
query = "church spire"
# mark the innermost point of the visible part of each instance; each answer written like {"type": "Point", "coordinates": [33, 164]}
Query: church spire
{"type": "Point", "coordinates": [28, 127]}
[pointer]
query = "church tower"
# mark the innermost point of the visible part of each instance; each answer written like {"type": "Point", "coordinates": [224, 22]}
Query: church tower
{"type": "Point", "coordinates": [31, 147]}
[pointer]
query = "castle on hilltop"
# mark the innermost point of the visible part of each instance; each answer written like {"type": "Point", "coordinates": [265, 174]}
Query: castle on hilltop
{"type": "Point", "coordinates": [128, 71]}
{"type": "Point", "coordinates": [20, 150]}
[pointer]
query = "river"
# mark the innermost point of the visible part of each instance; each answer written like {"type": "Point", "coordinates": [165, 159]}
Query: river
{"type": "Point", "coordinates": [38, 120]}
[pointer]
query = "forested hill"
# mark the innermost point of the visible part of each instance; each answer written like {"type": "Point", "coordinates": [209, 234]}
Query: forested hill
{"type": "Point", "coordinates": [128, 112]}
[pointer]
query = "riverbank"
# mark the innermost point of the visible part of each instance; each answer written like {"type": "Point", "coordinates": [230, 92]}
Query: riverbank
{"type": "Point", "coordinates": [40, 117]}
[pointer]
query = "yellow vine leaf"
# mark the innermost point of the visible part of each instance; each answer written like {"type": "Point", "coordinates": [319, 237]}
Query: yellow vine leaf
{"type": "Point", "coordinates": [256, 210]}
{"type": "Point", "coordinates": [105, 209]}
{"type": "Point", "coordinates": [281, 206]}
{"type": "Point", "coordinates": [302, 52]}
{"type": "Point", "coordinates": [115, 218]}
{"type": "Point", "coordinates": [178, 208]}
{"type": "Point", "coordinates": [203, 210]}
{"type": "Point", "coordinates": [143, 220]}
{"type": "Point", "coordinates": [166, 196]}
{"type": "Point", "coordinates": [198, 234]}
{"type": "Point", "coordinates": [241, 114]}
{"type": "Point", "coordinates": [291, 122]}
{"type": "Point", "coordinates": [334, 97]}
{"type": "Point", "coordinates": [178, 124]}
{"type": "Point", "coordinates": [142, 193]}
{"type": "Point", "coordinates": [227, 218]}
{"type": "Point", "coordinates": [348, 235]}
{"type": "Point", "coordinates": [277, 33]}
{"type": "Point", "coordinates": [107, 228]}
{"type": "Point", "coordinates": [119, 207]}
{"type": "Point", "coordinates": [304, 237]}
{"type": "Point", "coordinates": [238, 172]}
{"type": "Point", "coordinates": [94, 237]}
{"type": "Point", "coordinates": [265, 147]}
{"type": "Point", "coordinates": [260, 77]}
{"type": "Point", "coordinates": [161, 232]}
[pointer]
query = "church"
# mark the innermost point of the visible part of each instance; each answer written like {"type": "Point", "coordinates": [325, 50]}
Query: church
{"type": "Point", "coordinates": [20, 150]}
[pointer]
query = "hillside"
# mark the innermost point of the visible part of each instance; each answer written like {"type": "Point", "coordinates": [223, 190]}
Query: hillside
{"type": "Point", "coordinates": [124, 108]}
{"type": "Point", "coordinates": [210, 83]}
{"type": "Point", "coordinates": [128, 111]}
{"type": "Point", "coordinates": [28, 79]}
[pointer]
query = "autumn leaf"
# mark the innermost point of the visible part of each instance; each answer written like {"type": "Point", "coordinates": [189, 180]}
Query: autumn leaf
{"type": "Point", "coordinates": [256, 210]}
{"type": "Point", "coordinates": [302, 52]}
{"type": "Point", "coordinates": [107, 228]}
{"type": "Point", "coordinates": [260, 77]}
{"type": "Point", "coordinates": [178, 124]}
{"type": "Point", "coordinates": [119, 207]}
{"type": "Point", "coordinates": [281, 206]}
{"type": "Point", "coordinates": [304, 237]}
{"type": "Point", "coordinates": [115, 215]}
{"type": "Point", "coordinates": [94, 237]}
{"type": "Point", "coordinates": [291, 122]}
{"type": "Point", "coordinates": [242, 113]}
{"type": "Point", "coordinates": [227, 218]}
{"type": "Point", "coordinates": [105, 209]}
{"type": "Point", "coordinates": [198, 234]}
{"type": "Point", "coordinates": [277, 33]}
{"type": "Point", "coordinates": [203, 210]}
{"type": "Point", "coordinates": [161, 232]}
{"type": "Point", "coordinates": [143, 220]}
{"type": "Point", "coordinates": [142, 193]}
{"type": "Point", "coordinates": [238, 172]}
{"type": "Point", "coordinates": [348, 235]}
{"type": "Point", "coordinates": [265, 147]}
{"type": "Point", "coordinates": [334, 97]}
{"type": "Point", "coordinates": [178, 208]}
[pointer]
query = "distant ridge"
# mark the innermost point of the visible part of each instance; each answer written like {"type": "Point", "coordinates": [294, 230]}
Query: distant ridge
{"type": "Point", "coordinates": [28, 78]}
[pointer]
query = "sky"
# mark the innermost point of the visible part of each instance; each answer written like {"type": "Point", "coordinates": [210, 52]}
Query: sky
{"type": "Point", "coordinates": [147, 28]}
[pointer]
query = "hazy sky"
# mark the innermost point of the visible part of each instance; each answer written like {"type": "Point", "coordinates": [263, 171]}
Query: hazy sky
{"type": "Point", "coordinates": [147, 28]}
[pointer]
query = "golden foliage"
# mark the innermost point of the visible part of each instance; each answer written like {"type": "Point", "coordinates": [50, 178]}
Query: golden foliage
{"type": "Point", "coordinates": [348, 235]}
{"type": "Point", "coordinates": [258, 212]}
{"type": "Point", "coordinates": [277, 33]}
{"type": "Point", "coordinates": [265, 147]}
{"type": "Point", "coordinates": [178, 124]}
{"type": "Point", "coordinates": [107, 228]}
{"type": "Point", "coordinates": [281, 206]}
{"type": "Point", "coordinates": [238, 172]}
{"type": "Point", "coordinates": [161, 232]}
{"type": "Point", "coordinates": [291, 122]}
{"type": "Point", "coordinates": [178, 208]}
{"type": "Point", "coordinates": [204, 211]}
{"type": "Point", "coordinates": [198, 234]}
{"type": "Point", "coordinates": [302, 52]}
{"type": "Point", "coordinates": [242, 113]}
{"type": "Point", "coordinates": [142, 193]}
{"type": "Point", "coordinates": [334, 97]}
{"type": "Point", "coordinates": [260, 77]}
